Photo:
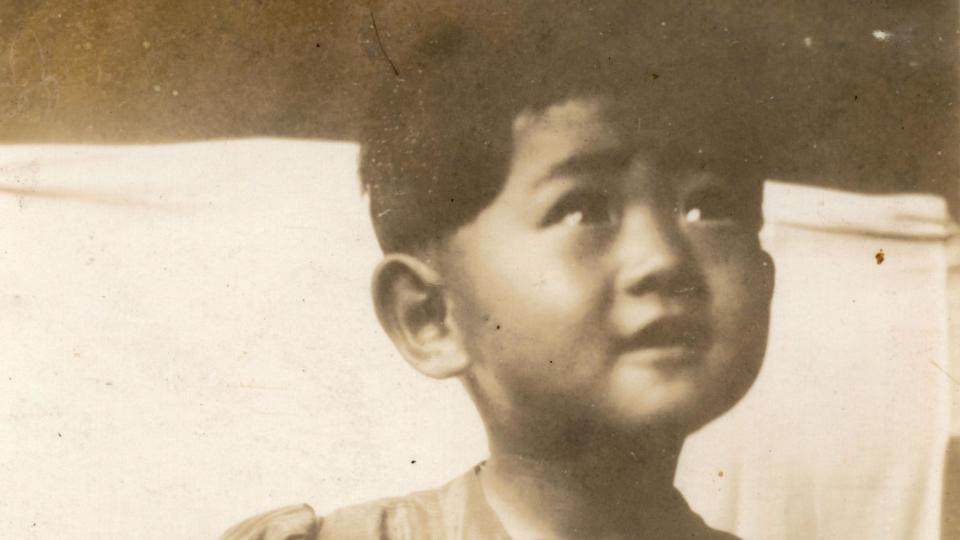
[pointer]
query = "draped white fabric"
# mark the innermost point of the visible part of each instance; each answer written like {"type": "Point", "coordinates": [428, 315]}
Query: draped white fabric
{"type": "Point", "coordinates": [844, 434]}
{"type": "Point", "coordinates": [187, 340]}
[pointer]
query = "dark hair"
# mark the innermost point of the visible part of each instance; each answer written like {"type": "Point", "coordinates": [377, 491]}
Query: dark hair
{"type": "Point", "coordinates": [437, 139]}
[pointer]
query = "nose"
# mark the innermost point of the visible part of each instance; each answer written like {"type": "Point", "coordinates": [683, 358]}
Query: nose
{"type": "Point", "coordinates": [655, 257]}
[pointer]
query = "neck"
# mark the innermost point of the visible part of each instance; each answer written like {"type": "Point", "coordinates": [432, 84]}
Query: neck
{"type": "Point", "coordinates": [603, 487]}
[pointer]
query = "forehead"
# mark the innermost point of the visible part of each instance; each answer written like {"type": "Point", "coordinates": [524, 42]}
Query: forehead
{"type": "Point", "coordinates": [572, 126]}
{"type": "Point", "coordinates": [611, 129]}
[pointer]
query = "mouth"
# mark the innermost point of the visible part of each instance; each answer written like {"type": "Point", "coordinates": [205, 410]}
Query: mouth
{"type": "Point", "coordinates": [674, 340]}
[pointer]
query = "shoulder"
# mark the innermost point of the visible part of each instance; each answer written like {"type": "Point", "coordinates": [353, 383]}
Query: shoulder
{"type": "Point", "coordinates": [720, 535]}
{"type": "Point", "coordinates": [288, 523]}
{"type": "Point", "coordinates": [418, 515]}
{"type": "Point", "coordinates": [691, 526]}
{"type": "Point", "coordinates": [714, 534]}
{"type": "Point", "coordinates": [702, 531]}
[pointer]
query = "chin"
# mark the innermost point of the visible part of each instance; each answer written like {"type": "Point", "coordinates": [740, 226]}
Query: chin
{"type": "Point", "coordinates": [681, 403]}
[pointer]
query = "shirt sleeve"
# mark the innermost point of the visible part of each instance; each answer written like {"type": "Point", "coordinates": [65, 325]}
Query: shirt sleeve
{"type": "Point", "coordinates": [289, 523]}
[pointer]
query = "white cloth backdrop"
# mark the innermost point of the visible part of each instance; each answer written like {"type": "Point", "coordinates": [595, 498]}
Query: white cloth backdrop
{"type": "Point", "coordinates": [186, 338]}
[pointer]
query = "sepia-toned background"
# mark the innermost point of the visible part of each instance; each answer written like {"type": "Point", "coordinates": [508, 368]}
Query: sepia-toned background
{"type": "Point", "coordinates": [186, 335]}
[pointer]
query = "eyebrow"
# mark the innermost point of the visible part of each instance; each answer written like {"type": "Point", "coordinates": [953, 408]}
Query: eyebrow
{"type": "Point", "coordinates": [601, 160]}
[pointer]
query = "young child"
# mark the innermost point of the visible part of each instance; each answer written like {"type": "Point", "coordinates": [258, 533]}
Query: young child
{"type": "Point", "coordinates": [569, 217]}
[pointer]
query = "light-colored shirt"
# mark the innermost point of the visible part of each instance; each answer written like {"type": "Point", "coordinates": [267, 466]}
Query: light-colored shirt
{"type": "Point", "coordinates": [456, 511]}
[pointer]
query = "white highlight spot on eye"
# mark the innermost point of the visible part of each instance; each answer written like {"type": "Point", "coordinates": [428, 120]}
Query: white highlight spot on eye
{"type": "Point", "coordinates": [573, 218]}
{"type": "Point", "coordinates": [693, 215]}
{"type": "Point", "coordinates": [882, 35]}
{"type": "Point", "coordinates": [808, 41]}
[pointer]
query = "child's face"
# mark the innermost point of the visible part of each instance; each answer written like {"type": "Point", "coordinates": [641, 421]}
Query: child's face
{"type": "Point", "coordinates": [607, 283]}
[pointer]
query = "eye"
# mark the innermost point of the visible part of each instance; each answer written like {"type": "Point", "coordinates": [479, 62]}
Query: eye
{"type": "Point", "coordinates": [582, 208]}
{"type": "Point", "coordinates": [717, 206]}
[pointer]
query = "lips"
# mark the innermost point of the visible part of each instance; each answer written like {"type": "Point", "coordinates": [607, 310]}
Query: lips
{"type": "Point", "coordinates": [679, 333]}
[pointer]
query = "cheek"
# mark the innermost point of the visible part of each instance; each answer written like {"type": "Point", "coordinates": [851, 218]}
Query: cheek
{"type": "Point", "coordinates": [741, 295]}
{"type": "Point", "coordinates": [738, 278]}
{"type": "Point", "coordinates": [740, 286]}
{"type": "Point", "coordinates": [530, 312]}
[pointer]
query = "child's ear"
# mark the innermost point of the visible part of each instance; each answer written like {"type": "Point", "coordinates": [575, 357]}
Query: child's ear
{"type": "Point", "coordinates": [413, 309]}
